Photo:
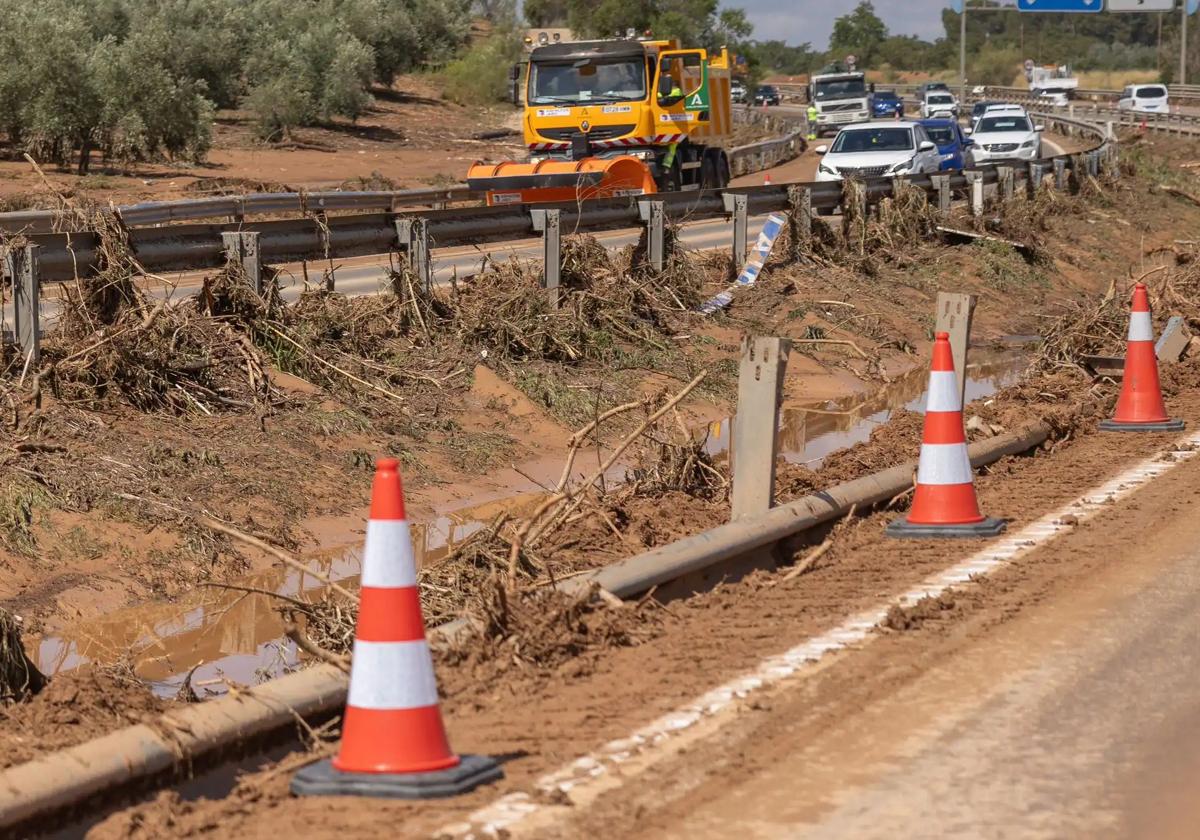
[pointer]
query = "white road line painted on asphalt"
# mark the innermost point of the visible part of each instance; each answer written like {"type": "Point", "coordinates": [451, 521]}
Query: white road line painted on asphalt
{"type": "Point", "coordinates": [586, 777]}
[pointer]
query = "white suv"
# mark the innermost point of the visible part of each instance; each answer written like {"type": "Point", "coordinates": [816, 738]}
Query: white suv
{"type": "Point", "coordinates": [1144, 99]}
{"type": "Point", "coordinates": [939, 103]}
{"type": "Point", "coordinates": [1005, 136]}
{"type": "Point", "coordinates": [875, 150]}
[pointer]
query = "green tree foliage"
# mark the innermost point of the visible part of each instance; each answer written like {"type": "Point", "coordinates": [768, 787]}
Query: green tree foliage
{"type": "Point", "coordinates": [780, 57]}
{"type": "Point", "coordinates": [1086, 42]}
{"type": "Point", "coordinates": [479, 76]}
{"type": "Point", "coordinates": [693, 22]}
{"type": "Point", "coordinates": [860, 33]}
{"type": "Point", "coordinates": [133, 79]}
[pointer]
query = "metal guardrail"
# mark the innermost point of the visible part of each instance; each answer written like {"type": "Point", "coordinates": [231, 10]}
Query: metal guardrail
{"type": "Point", "coordinates": [238, 207]}
{"type": "Point", "coordinates": [1172, 123]}
{"type": "Point", "coordinates": [742, 160]}
{"type": "Point", "coordinates": [49, 257]}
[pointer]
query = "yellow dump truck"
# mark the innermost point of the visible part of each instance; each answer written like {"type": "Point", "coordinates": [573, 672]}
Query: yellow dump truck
{"type": "Point", "coordinates": [611, 118]}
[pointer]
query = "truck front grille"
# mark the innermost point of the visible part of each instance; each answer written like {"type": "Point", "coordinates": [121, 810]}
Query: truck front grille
{"type": "Point", "coordinates": [600, 132]}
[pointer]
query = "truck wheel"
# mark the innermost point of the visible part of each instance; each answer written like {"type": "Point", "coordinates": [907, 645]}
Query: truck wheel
{"type": "Point", "coordinates": [672, 179]}
{"type": "Point", "coordinates": [708, 174]}
{"type": "Point", "coordinates": [723, 170]}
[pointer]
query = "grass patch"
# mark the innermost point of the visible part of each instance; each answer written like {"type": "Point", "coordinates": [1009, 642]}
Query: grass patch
{"type": "Point", "coordinates": [570, 404]}
{"type": "Point", "coordinates": [19, 502]}
{"type": "Point", "coordinates": [476, 452]}
{"type": "Point", "coordinates": [1004, 269]}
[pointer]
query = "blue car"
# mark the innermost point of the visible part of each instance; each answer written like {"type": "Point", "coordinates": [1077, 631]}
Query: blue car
{"type": "Point", "coordinates": [885, 103]}
{"type": "Point", "coordinates": [953, 145]}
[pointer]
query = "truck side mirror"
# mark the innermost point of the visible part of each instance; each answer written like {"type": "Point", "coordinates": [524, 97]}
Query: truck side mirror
{"type": "Point", "coordinates": [514, 84]}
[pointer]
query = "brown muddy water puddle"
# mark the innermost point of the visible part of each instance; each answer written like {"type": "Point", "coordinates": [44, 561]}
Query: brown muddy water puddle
{"type": "Point", "coordinates": [226, 636]}
{"type": "Point", "coordinates": [811, 432]}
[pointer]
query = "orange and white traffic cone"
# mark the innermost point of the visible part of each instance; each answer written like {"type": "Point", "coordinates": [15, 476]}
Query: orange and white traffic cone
{"type": "Point", "coordinates": [393, 740]}
{"type": "Point", "coordinates": [767, 180]}
{"type": "Point", "coordinates": [1140, 407]}
{"type": "Point", "coordinates": [944, 503]}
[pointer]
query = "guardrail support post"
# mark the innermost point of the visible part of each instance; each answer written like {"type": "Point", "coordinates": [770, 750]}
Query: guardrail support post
{"type": "Point", "coordinates": [800, 218]}
{"type": "Point", "coordinates": [1008, 178]}
{"type": "Point", "coordinates": [954, 313]}
{"type": "Point", "coordinates": [756, 425]}
{"type": "Point", "coordinates": [413, 234]}
{"type": "Point", "coordinates": [941, 183]}
{"type": "Point", "coordinates": [1093, 164]}
{"type": "Point", "coordinates": [547, 223]}
{"type": "Point", "coordinates": [653, 215]}
{"type": "Point", "coordinates": [22, 265]}
{"type": "Point", "coordinates": [1037, 172]}
{"type": "Point", "coordinates": [241, 247]}
{"type": "Point", "coordinates": [1060, 174]}
{"type": "Point", "coordinates": [736, 206]}
{"type": "Point", "coordinates": [975, 179]}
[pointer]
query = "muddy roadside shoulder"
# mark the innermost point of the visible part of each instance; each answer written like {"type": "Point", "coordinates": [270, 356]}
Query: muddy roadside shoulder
{"type": "Point", "coordinates": [775, 310]}
{"type": "Point", "coordinates": [548, 716]}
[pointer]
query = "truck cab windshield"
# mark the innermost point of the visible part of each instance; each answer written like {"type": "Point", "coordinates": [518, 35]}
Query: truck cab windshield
{"type": "Point", "coordinates": [587, 81]}
{"type": "Point", "coordinates": [844, 89]}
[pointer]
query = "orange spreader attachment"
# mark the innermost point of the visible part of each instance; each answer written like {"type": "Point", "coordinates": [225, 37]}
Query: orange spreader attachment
{"type": "Point", "coordinates": [560, 180]}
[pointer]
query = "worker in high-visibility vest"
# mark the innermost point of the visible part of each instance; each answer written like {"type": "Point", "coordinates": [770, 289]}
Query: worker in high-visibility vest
{"type": "Point", "coordinates": [812, 121]}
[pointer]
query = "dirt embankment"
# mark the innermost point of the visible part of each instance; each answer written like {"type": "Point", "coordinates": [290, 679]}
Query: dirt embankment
{"type": "Point", "coordinates": [409, 138]}
{"type": "Point", "coordinates": [110, 476]}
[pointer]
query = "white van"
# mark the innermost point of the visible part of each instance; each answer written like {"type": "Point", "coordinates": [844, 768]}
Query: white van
{"type": "Point", "coordinates": [1144, 99]}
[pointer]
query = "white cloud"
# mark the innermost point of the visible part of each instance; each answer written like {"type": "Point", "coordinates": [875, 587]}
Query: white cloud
{"type": "Point", "coordinates": [812, 20]}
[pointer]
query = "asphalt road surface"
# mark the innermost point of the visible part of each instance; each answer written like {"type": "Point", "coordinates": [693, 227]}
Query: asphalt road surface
{"type": "Point", "coordinates": [1078, 718]}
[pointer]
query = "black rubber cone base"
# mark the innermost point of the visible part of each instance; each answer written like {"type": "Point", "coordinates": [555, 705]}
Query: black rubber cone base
{"type": "Point", "coordinates": [1117, 426]}
{"type": "Point", "coordinates": [902, 528]}
{"type": "Point", "coordinates": [323, 779]}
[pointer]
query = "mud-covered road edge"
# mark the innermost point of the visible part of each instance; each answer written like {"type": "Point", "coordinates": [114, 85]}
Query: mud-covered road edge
{"type": "Point", "coordinates": [53, 787]}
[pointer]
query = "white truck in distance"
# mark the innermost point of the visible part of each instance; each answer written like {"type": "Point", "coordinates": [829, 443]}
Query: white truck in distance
{"type": "Point", "coordinates": [1053, 85]}
{"type": "Point", "coordinates": [841, 98]}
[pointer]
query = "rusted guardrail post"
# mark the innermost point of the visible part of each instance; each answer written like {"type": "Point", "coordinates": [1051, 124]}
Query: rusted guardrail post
{"type": "Point", "coordinates": [800, 216]}
{"type": "Point", "coordinates": [241, 247]}
{"type": "Point", "coordinates": [1060, 174]}
{"type": "Point", "coordinates": [954, 314]}
{"type": "Point", "coordinates": [22, 266]}
{"type": "Point", "coordinates": [941, 183]}
{"type": "Point", "coordinates": [736, 207]}
{"type": "Point", "coordinates": [653, 216]}
{"type": "Point", "coordinates": [546, 222]}
{"type": "Point", "coordinates": [756, 424]}
{"type": "Point", "coordinates": [413, 235]}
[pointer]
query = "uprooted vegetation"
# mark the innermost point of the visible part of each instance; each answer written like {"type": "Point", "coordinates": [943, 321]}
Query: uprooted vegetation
{"type": "Point", "coordinates": [266, 413]}
{"type": "Point", "coordinates": [349, 374]}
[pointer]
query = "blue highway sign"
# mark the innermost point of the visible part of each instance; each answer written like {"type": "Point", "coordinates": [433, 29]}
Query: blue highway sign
{"type": "Point", "coordinates": [1060, 5]}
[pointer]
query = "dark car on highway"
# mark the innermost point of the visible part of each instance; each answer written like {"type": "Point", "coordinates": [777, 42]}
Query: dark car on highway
{"type": "Point", "coordinates": [766, 95]}
{"type": "Point", "coordinates": [887, 103]}
{"type": "Point", "coordinates": [978, 109]}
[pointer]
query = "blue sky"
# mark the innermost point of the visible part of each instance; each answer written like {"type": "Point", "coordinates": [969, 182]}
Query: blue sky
{"type": "Point", "coordinates": [797, 21]}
